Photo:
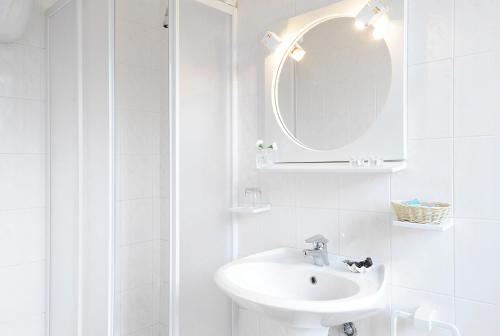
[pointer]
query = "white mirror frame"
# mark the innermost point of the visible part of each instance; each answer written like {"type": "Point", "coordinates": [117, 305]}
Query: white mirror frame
{"type": "Point", "coordinates": [387, 136]}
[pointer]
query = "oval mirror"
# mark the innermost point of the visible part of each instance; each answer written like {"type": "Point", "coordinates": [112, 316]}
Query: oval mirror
{"type": "Point", "coordinates": [332, 95]}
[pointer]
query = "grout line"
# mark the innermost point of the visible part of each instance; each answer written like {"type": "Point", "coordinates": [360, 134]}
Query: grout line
{"type": "Point", "coordinates": [437, 60]}
{"type": "Point", "coordinates": [453, 157]}
{"type": "Point", "coordinates": [478, 53]}
{"type": "Point", "coordinates": [31, 262]}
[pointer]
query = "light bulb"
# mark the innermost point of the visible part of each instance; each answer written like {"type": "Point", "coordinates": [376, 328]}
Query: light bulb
{"type": "Point", "coordinates": [360, 25]}
{"type": "Point", "coordinates": [381, 21]}
{"type": "Point", "coordinates": [297, 53]}
{"type": "Point", "coordinates": [381, 25]}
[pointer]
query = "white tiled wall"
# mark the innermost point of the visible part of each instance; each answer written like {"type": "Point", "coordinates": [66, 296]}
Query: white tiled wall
{"type": "Point", "coordinates": [22, 182]}
{"type": "Point", "coordinates": [454, 146]}
{"type": "Point", "coordinates": [142, 167]}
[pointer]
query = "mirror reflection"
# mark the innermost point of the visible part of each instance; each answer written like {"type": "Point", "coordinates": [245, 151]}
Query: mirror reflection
{"type": "Point", "coordinates": [333, 84]}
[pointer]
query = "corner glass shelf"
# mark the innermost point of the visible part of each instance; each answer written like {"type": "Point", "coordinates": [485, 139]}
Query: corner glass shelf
{"type": "Point", "coordinates": [441, 227]}
{"type": "Point", "coordinates": [334, 167]}
{"type": "Point", "coordinates": [250, 209]}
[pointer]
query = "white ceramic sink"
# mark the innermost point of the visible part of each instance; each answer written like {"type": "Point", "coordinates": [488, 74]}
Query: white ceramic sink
{"type": "Point", "coordinates": [287, 287]}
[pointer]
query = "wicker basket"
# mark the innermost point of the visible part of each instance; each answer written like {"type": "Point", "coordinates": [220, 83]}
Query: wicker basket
{"type": "Point", "coordinates": [424, 213]}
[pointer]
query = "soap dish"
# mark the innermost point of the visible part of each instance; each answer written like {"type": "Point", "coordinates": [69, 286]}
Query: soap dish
{"type": "Point", "coordinates": [359, 267]}
{"type": "Point", "coordinates": [251, 209]}
{"type": "Point", "coordinates": [353, 268]}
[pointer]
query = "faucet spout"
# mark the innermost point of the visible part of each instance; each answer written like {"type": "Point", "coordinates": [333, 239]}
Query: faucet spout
{"type": "Point", "coordinates": [319, 252]}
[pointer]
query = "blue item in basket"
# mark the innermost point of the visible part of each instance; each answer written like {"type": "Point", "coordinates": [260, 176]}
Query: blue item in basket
{"type": "Point", "coordinates": [414, 201]}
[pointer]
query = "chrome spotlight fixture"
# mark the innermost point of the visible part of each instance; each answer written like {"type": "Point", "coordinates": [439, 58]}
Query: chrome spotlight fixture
{"type": "Point", "coordinates": [271, 41]}
{"type": "Point", "coordinates": [374, 13]}
{"type": "Point", "coordinates": [297, 53]}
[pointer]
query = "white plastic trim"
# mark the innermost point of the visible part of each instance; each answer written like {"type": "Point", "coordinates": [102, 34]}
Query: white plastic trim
{"type": "Point", "coordinates": [423, 318]}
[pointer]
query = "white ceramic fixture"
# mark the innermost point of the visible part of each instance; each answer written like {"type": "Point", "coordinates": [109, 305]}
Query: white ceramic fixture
{"type": "Point", "coordinates": [287, 287]}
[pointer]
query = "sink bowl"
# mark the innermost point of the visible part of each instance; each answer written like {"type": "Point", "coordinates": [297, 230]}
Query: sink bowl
{"type": "Point", "coordinates": [288, 288]}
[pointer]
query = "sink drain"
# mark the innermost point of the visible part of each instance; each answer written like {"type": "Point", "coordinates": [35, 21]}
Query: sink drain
{"type": "Point", "coordinates": [314, 280]}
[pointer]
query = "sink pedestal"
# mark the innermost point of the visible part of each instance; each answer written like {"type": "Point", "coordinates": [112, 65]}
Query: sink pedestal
{"type": "Point", "coordinates": [307, 332]}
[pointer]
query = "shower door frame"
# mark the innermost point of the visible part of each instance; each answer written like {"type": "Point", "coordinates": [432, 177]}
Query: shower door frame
{"type": "Point", "coordinates": [174, 113]}
{"type": "Point", "coordinates": [96, 86]}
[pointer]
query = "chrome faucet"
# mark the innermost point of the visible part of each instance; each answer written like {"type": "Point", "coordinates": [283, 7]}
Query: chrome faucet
{"type": "Point", "coordinates": [319, 252]}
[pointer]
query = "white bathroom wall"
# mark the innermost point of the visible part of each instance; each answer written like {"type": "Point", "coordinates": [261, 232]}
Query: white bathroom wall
{"type": "Point", "coordinates": [142, 168]}
{"type": "Point", "coordinates": [454, 140]}
{"type": "Point", "coordinates": [204, 169]}
{"type": "Point", "coordinates": [22, 181]}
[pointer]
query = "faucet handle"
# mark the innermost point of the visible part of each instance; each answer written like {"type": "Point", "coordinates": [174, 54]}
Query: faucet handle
{"type": "Point", "coordinates": [317, 239]}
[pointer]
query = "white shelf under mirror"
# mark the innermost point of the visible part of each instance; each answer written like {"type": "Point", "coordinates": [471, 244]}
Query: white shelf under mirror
{"type": "Point", "coordinates": [441, 227]}
{"type": "Point", "coordinates": [335, 167]}
{"type": "Point", "coordinates": [250, 209]}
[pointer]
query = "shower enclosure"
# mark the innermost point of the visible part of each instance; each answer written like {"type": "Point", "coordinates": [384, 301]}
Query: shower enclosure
{"type": "Point", "coordinates": [141, 166]}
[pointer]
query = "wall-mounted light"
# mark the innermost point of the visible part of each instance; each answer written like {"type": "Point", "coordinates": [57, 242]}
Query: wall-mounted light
{"type": "Point", "coordinates": [271, 41]}
{"type": "Point", "coordinates": [381, 26]}
{"type": "Point", "coordinates": [297, 52]}
{"type": "Point", "coordinates": [373, 13]}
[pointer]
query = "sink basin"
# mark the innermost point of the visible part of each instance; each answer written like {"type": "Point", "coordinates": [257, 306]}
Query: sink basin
{"type": "Point", "coordinates": [288, 288]}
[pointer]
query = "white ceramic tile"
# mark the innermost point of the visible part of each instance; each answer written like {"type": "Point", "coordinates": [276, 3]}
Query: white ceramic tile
{"type": "Point", "coordinates": [476, 178]}
{"type": "Point", "coordinates": [477, 79]}
{"type": "Point", "coordinates": [302, 6]}
{"type": "Point", "coordinates": [365, 234]}
{"type": "Point", "coordinates": [423, 260]}
{"type": "Point", "coordinates": [164, 330]}
{"type": "Point", "coordinates": [134, 43]}
{"type": "Point", "coordinates": [430, 100]}
{"type": "Point", "coordinates": [164, 218]}
{"type": "Point", "coordinates": [157, 301]}
{"type": "Point", "coordinates": [24, 325]}
{"type": "Point", "coordinates": [21, 236]}
{"type": "Point", "coordinates": [429, 176]}
{"type": "Point", "coordinates": [430, 30]}
{"type": "Point", "coordinates": [475, 318]}
{"type": "Point", "coordinates": [259, 16]}
{"type": "Point", "coordinates": [33, 34]}
{"type": "Point", "coordinates": [22, 290]}
{"type": "Point", "coordinates": [157, 230]}
{"type": "Point", "coordinates": [476, 26]}
{"type": "Point", "coordinates": [137, 88]}
{"type": "Point", "coordinates": [135, 131]}
{"type": "Point", "coordinates": [20, 69]}
{"type": "Point", "coordinates": [318, 221]}
{"type": "Point", "coordinates": [146, 12]}
{"type": "Point", "coordinates": [475, 249]}
{"type": "Point", "coordinates": [136, 179]}
{"type": "Point", "coordinates": [164, 303]}
{"type": "Point", "coordinates": [22, 126]}
{"type": "Point", "coordinates": [165, 260]}
{"type": "Point", "coordinates": [318, 190]}
{"type": "Point", "coordinates": [136, 221]}
{"type": "Point", "coordinates": [367, 192]}
{"type": "Point", "coordinates": [136, 265]}
{"type": "Point", "coordinates": [279, 189]}
{"type": "Point", "coordinates": [250, 235]}
{"type": "Point", "coordinates": [143, 332]}
{"type": "Point", "coordinates": [156, 176]}
{"type": "Point", "coordinates": [155, 134]}
{"type": "Point", "coordinates": [250, 67]}
{"type": "Point", "coordinates": [22, 181]}
{"type": "Point", "coordinates": [410, 300]}
{"type": "Point", "coordinates": [279, 228]}
{"type": "Point", "coordinates": [137, 309]}
{"type": "Point", "coordinates": [248, 323]}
